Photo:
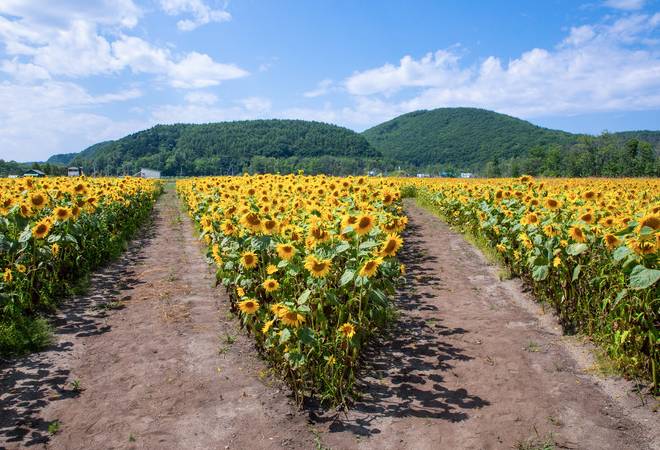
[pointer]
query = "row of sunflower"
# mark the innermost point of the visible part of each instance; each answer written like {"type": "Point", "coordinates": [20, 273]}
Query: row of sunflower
{"type": "Point", "coordinates": [589, 247]}
{"type": "Point", "coordinates": [310, 264]}
{"type": "Point", "coordinates": [53, 231]}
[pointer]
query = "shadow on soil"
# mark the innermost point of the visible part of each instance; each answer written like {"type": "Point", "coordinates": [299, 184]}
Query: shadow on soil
{"type": "Point", "coordinates": [404, 372]}
{"type": "Point", "coordinates": [29, 383]}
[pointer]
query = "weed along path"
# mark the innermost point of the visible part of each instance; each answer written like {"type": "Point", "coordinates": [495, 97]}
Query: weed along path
{"type": "Point", "coordinates": [471, 365]}
{"type": "Point", "coordinates": [149, 359]}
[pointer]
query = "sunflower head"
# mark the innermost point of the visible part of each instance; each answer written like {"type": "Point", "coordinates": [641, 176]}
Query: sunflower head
{"type": "Point", "coordinates": [317, 267]}
{"type": "Point", "coordinates": [271, 285]}
{"type": "Point", "coordinates": [285, 251]}
{"type": "Point", "coordinates": [41, 229]}
{"type": "Point", "coordinates": [347, 330]}
{"type": "Point", "coordinates": [364, 224]}
{"type": "Point", "coordinates": [249, 260]}
{"type": "Point", "coordinates": [248, 306]}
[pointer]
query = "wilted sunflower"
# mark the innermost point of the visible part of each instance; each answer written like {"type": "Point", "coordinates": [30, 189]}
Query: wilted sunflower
{"type": "Point", "coordinates": [347, 330]}
{"type": "Point", "coordinates": [271, 285]}
{"type": "Point", "coordinates": [611, 241]}
{"type": "Point", "coordinates": [392, 245]}
{"type": "Point", "coordinates": [249, 260]}
{"type": "Point", "coordinates": [577, 234]}
{"type": "Point", "coordinates": [285, 251]}
{"type": "Point", "coordinates": [317, 267]}
{"type": "Point", "coordinates": [370, 267]}
{"type": "Point", "coordinates": [364, 224]}
{"type": "Point", "coordinates": [41, 229]}
{"type": "Point", "coordinates": [248, 306]}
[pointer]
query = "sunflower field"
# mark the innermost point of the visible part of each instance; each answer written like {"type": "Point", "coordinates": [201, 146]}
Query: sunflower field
{"type": "Point", "coordinates": [311, 266]}
{"type": "Point", "coordinates": [53, 231]}
{"type": "Point", "coordinates": [588, 247]}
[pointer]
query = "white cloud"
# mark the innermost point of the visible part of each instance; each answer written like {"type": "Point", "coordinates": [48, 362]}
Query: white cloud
{"type": "Point", "coordinates": [201, 98]}
{"type": "Point", "coordinates": [198, 112]}
{"type": "Point", "coordinates": [198, 70]}
{"type": "Point", "coordinates": [627, 5]}
{"type": "Point", "coordinates": [79, 49]}
{"type": "Point", "coordinates": [603, 67]}
{"type": "Point", "coordinates": [322, 88]}
{"type": "Point", "coordinates": [201, 13]}
{"type": "Point", "coordinates": [39, 120]}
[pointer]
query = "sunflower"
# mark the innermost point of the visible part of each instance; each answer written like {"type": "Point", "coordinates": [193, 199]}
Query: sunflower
{"type": "Point", "coordinates": [278, 309]}
{"type": "Point", "coordinates": [269, 226]}
{"type": "Point", "coordinates": [21, 268]}
{"type": "Point", "coordinates": [248, 306]}
{"type": "Point", "coordinates": [370, 267]}
{"type": "Point", "coordinates": [291, 318]}
{"type": "Point", "coordinates": [249, 260]}
{"type": "Point", "coordinates": [364, 224]}
{"type": "Point", "coordinates": [228, 228]}
{"type": "Point", "coordinates": [7, 276]}
{"type": "Point", "coordinates": [317, 267]}
{"type": "Point", "coordinates": [251, 221]}
{"type": "Point", "coordinates": [552, 204]}
{"type": "Point", "coordinates": [651, 221]}
{"type": "Point", "coordinates": [347, 330]}
{"type": "Point", "coordinates": [38, 200]}
{"type": "Point", "coordinates": [587, 218]}
{"type": "Point", "coordinates": [556, 262]}
{"type": "Point", "coordinates": [271, 285]}
{"type": "Point", "coordinates": [392, 245]}
{"type": "Point", "coordinates": [55, 249]}
{"type": "Point", "coordinates": [577, 234]}
{"type": "Point", "coordinates": [641, 247]}
{"type": "Point", "coordinates": [240, 292]}
{"type": "Point", "coordinates": [267, 326]}
{"type": "Point", "coordinates": [41, 229]}
{"type": "Point", "coordinates": [271, 269]}
{"type": "Point", "coordinates": [62, 213]}
{"type": "Point", "coordinates": [551, 230]}
{"type": "Point", "coordinates": [285, 251]}
{"type": "Point", "coordinates": [611, 241]}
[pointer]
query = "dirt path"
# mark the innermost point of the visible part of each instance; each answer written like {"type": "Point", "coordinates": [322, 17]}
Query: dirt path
{"type": "Point", "coordinates": [472, 365]}
{"type": "Point", "coordinates": [169, 369]}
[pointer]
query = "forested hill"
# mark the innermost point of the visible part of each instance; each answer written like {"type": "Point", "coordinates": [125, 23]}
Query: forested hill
{"type": "Point", "coordinates": [464, 137]}
{"type": "Point", "coordinates": [493, 144]}
{"type": "Point", "coordinates": [230, 147]}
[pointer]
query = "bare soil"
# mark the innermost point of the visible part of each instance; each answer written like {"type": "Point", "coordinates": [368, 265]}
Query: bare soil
{"type": "Point", "coordinates": [471, 363]}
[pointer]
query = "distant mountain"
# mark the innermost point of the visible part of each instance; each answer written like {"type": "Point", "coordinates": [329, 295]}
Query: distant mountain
{"type": "Point", "coordinates": [652, 137]}
{"type": "Point", "coordinates": [227, 147]}
{"type": "Point", "coordinates": [464, 137]}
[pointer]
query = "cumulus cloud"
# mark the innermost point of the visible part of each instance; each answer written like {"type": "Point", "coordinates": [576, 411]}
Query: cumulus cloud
{"type": "Point", "coordinates": [604, 67]}
{"type": "Point", "coordinates": [201, 112]}
{"type": "Point", "coordinates": [78, 48]}
{"type": "Point", "coordinates": [200, 12]}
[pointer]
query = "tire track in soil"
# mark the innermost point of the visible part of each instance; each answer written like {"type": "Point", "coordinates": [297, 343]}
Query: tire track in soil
{"type": "Point", "coordinates": [168, 369]}
{"type": "Point", "coordinates": [470, 365]}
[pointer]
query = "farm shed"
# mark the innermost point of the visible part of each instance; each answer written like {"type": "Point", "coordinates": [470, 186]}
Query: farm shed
{"type": "Point", "coordinates": [74, 171]}
{"type": "Point", "coordinates": [149, 173]}
{"type": "Point", "coordinates": [34, 173]}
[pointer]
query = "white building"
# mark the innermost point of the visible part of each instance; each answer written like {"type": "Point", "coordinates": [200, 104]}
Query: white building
{"type": "Point", "coordinates": [149, 173]}
{"type": "Point", "coordinates": [74, 171]}
{"type": "Point", "coordinates": [467, 175]}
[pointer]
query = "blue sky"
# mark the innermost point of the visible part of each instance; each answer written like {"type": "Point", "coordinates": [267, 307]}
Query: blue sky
{"type": "Point", "coordinates": [73, 73]}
